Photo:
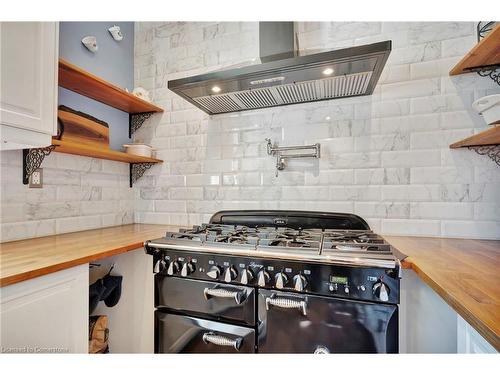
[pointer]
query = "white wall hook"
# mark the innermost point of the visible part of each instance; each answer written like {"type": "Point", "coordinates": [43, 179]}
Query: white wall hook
{"type": "Point", "coordinates": [91, 43]}
{"type": "Point", "coordinates": [116, 33]}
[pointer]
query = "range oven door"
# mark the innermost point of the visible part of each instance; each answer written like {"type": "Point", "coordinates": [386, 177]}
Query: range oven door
{"type": "Point", "coordinates": [215, 301]}
{"type": "Point", "coordinates": [185, 334]}
{"type": "Point", "coordinates": [301, 323]}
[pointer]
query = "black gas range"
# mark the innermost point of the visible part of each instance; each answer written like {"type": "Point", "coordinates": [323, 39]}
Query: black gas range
{"type": "Point", "coordinates": [276, 282]}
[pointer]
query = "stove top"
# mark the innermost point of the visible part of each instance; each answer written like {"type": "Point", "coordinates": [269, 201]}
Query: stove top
{"type": "Point", "coordinates": [361, 247]}
{"type": "Point", "coordinates": [328, 254]}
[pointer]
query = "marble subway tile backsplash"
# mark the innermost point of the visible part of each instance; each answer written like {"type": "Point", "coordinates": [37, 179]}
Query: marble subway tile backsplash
{"type": "Point", "coordinates": [79, 193]}
{"type": "Point", "coordinates": [384, 156]}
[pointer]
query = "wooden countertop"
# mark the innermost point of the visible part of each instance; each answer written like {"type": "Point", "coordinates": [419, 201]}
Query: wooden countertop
{"type": "Point", "coordinates": [465, 273]}
{"type": "Point", "coordinates": [26, 259]}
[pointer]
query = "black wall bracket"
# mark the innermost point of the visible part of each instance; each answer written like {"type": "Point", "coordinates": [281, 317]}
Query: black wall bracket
{"type": "Point", "coordinates": [493, 71]}
{"type": "Point", "coordinates": [32, 159]}
{"type": "Point", "coordinates": [484, 28]}
{"type": "Point", "coordinates": [137, 170]}
{"type": "Point", "coordinates": [135, 121]}
{"type": "Point", "coordinates": [492, 151]}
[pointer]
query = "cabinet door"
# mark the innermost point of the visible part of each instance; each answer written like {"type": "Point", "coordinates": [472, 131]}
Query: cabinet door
{"type": "Point", "coordinates": [47, 314]}
{"type": "Point", "coordinates": [29, 61]}
{"type": "Point", "coordinates": [469, 341]}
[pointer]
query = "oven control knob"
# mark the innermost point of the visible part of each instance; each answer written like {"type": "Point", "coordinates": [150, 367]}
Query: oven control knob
{"type": "Point", "coordinates": [173, 268]}
{"type": "Point", "coordinates": [230, 274]}
{"type": "Point", "coordinates": [214, 272]}
{"type": "Point", "coordinates": [160, 266]}
{"type": "Point", "coordinates": [299, 282]}
{"type": "Point", "coordinates": [187, 269]}
{"type": "Point", "coordinates": [381, 291]}
{"type": "Point", "coordinates": [281, 279]}
{"type": "Point", "coordinates": [246, 276]}
{"type": "Point", "coordinates": [263, 278]}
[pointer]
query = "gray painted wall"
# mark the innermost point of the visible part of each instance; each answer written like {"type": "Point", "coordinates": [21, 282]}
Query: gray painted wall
{"type": "Point", "coordinates": [114, 61]}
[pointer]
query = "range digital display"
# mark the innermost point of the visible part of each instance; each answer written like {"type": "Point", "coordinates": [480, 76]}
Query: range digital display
{"type": "Point", "coordinates": [339, 279]}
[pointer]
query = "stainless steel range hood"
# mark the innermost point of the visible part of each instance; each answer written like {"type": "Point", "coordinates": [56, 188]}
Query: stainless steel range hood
{"type": "Point", "coordinates": [283, 77]}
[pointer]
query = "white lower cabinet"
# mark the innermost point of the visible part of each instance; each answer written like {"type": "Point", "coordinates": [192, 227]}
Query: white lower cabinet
{"type": "Point", "coordinates": [50, 314]}
{"type": "Point", "coordinates": [47, 314]}
{"type": "Point", "coordinates": [429, 325]}
{"type": "Point", "coordinates": [470, 341]}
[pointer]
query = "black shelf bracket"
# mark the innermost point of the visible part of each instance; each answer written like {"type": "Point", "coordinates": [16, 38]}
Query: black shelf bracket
{"type": "Point", "coordinates": [492, 151]}
{"type": "Point", "coordinates": [483, 28]}
{"type": "Point", "coordinates": [135, 121]}
{"type": "Point", "coordinates": [32, 159]}
{"type": "Point", "coordinates": [137, 170]}
{"type": "Point", "coordinates": [493, 73]}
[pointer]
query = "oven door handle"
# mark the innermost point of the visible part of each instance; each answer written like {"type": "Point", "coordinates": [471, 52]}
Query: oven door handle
{"type": "Point", "coordinates": [238, 295]}
{"type": "Point", "coordinates": [286, 303]}
{"type": "Point", "coordinates": [216, 339]}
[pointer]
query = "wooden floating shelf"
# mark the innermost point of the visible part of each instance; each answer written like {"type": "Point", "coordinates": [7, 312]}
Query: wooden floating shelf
{"type": "Point", "coordinates": [73, 78]}
{"type": "Point", "coordinates": [484, 54]}
{"type": "Point", "coordinates": [82, 82]}
{"type": "Point", "coordinates": [485, 138]}
{"type": "Point", "coordinates": [100, 153]}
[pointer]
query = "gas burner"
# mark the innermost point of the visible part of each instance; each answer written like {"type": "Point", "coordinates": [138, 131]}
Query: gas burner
{"type": "Point", "coordinates": [236, 239]}
{"type": "Point", "coordinates": [360, 247]}
{"type": "Point", "coordinates": [347, 247]}
{"type": "Point", "coordinates": [350, 243]}
{"type": "Point", "coordinates": [299, 236]}
{"type": "Point", "coordinates": [296, 242]}
{"type": "Point", "coordinates": [350, 237]}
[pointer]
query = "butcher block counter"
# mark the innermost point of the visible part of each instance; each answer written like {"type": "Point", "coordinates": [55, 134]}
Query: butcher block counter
{"type": "Point", "coordinates": [465, 273]}
{"type": "Point", "coordinates": [26, 259]}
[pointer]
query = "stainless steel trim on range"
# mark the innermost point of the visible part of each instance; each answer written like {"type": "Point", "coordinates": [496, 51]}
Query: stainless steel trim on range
{"type": "Point", "coordinates": [329, 259]}
{"type": "Point", "coordinates": [284, 77]}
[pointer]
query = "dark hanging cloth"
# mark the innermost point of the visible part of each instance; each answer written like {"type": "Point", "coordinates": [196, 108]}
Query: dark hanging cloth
{"type": "Point", "coordinates": [107, 289]}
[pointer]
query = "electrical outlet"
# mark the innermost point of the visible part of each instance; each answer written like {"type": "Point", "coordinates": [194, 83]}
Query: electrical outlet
{"type": "Point", "coordinates": [36, 179]}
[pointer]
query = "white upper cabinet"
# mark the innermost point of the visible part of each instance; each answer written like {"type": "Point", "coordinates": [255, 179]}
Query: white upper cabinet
{"type": "Point", "coordinates": [28, 83]}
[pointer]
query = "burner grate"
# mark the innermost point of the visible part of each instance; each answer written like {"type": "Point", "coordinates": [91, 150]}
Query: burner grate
{"type": "Point", "coordinates": [284, 239]}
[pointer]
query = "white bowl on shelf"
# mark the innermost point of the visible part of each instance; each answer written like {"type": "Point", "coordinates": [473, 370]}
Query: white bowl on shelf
{"type": "Point", "coordinates": [139, 149]}
{"type": "Point", "coordinates": [489, 108]}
